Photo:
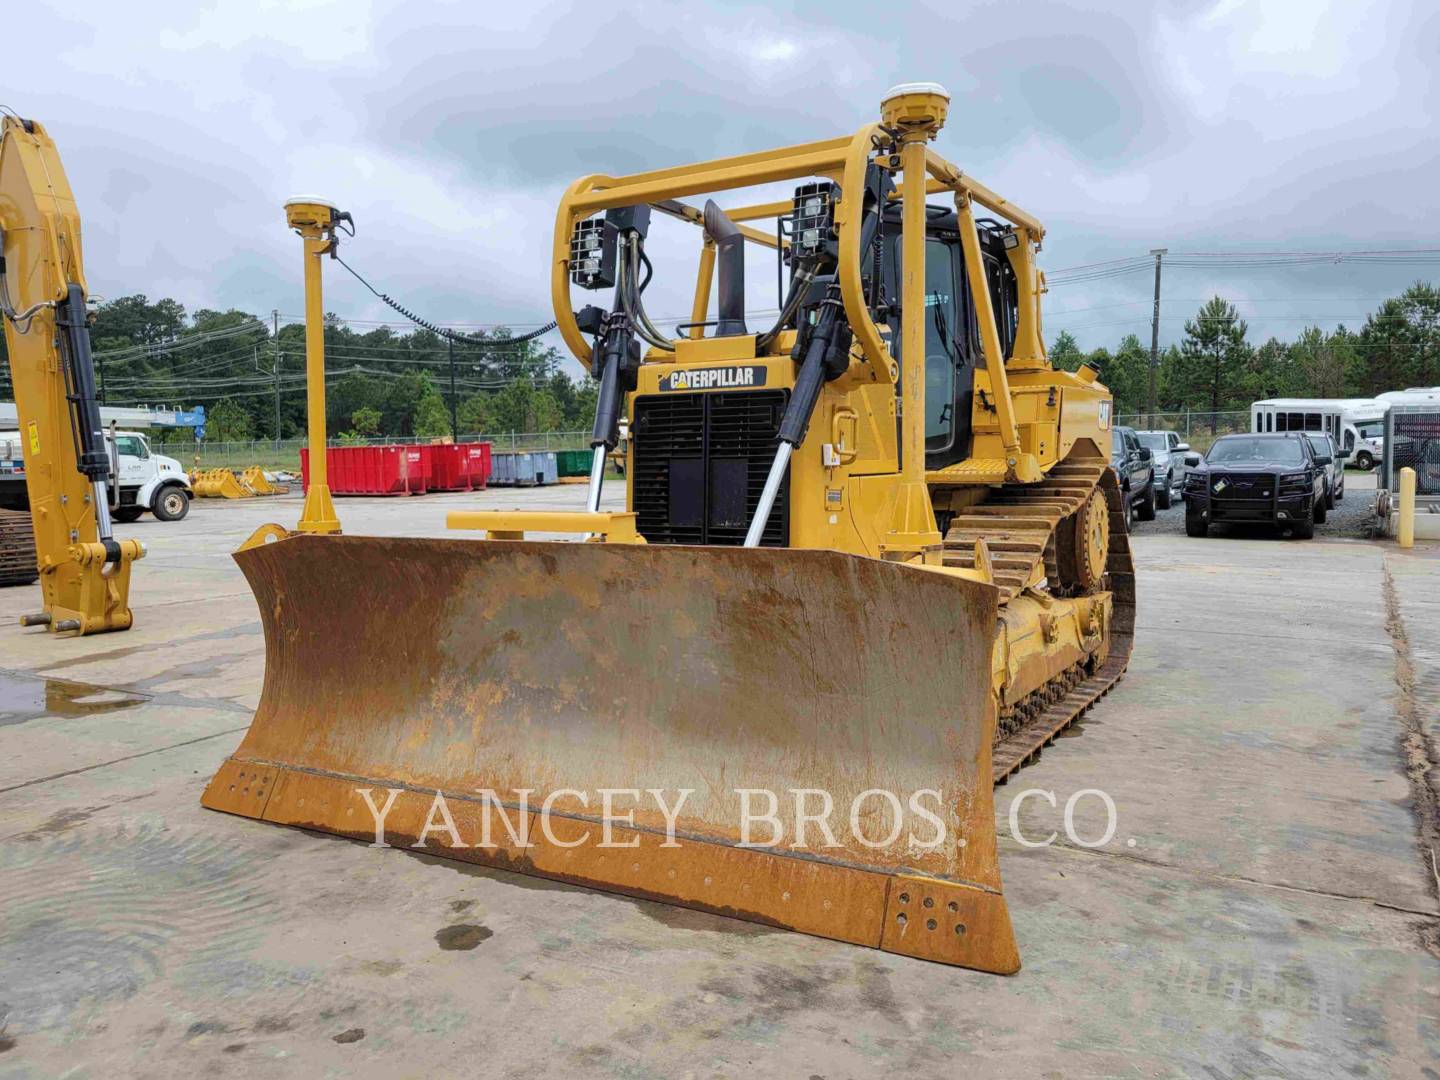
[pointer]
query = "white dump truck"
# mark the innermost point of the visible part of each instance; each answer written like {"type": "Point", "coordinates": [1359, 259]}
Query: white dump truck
{"type": "Point", "coordinates": [144, 480]}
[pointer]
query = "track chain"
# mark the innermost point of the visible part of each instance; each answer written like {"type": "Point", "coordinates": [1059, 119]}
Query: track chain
{"type": "Point", "coordinates": [17, 549]}
{"type": "Point", "coordinates": [1018, 524]}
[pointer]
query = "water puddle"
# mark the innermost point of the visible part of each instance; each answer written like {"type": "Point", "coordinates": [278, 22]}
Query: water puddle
{"type": "Point", "coordinates": [27, 697]}
{"type": "Point", "coordinates": [1076, 728]}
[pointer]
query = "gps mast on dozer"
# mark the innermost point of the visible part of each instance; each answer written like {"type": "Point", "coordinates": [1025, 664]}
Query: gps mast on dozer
{"type": "Point", "coordinates": [84, 570]}
{"type": "Point", "coordinates": [838, 570]}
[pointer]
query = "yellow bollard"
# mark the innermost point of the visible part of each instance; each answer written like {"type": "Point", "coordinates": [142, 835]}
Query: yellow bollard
{"type": "Point", "coordinates": [1407, 508]}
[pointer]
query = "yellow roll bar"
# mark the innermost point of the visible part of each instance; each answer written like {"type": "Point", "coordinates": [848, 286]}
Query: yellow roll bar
{"type": "Point", "coordinates": [844, 161]}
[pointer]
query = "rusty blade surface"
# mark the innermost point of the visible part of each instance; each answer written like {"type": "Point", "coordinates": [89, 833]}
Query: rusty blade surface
{"type": "Point", "coordinates": [458, 666]}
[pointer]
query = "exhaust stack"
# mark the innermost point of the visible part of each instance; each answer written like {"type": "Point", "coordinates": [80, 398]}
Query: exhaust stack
{"type": "Point", "coordinates": [730, 250]}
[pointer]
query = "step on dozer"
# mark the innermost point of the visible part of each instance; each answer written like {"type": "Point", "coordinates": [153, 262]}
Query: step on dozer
{"type": "Point", "coordinates": [848, 592]}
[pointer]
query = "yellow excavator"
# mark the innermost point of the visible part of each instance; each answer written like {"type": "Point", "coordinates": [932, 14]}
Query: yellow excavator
{"type": "Point", "coordinates": [871, 560]}
{"type": "Point", "coordinates": [69, 473]}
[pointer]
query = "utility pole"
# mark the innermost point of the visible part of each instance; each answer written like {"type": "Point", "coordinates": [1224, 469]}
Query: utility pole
{"type": "Point", "coordinates": [1159, 254]}
{"type": "Point", "coordinates": [454, 422]}
{"type": "Point", "coordinates": [275, 315]}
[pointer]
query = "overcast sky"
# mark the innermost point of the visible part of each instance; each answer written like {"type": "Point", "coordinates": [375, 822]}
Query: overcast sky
{"type": "Point", "coordinates": [450, 129]}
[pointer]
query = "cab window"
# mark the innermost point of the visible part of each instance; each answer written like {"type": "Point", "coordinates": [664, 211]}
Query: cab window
{"type": "Point", "coordinates": [942, 356]}
{"type": "Point", "coordinates": [131, 446]}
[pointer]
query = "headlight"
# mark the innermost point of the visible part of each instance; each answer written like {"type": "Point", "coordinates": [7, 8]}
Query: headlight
{"type": "Point", "coordinates": [1294, 478]}
{"type": "Point", "coordinates": [812, 219]}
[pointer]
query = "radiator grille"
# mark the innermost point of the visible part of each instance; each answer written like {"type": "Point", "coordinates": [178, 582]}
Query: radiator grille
{"type": "Point", "coordinates": [1244, 487]}
{"type": "Point", "coordinates": [700, 464]}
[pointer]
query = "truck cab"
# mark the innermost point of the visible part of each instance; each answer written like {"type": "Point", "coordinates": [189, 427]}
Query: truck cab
{"type": "Point", "coordinates": [1134, 463]}
{"type": "Point", "coordinates": [146, 480]}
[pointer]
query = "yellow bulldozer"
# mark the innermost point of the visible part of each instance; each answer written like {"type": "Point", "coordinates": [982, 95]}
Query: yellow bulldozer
{"type": "Point", "coordinates": [872, 559]}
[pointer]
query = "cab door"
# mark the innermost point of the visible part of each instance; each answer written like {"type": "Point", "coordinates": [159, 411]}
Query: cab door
{"type": "Point", "coordinates": [134, 458]}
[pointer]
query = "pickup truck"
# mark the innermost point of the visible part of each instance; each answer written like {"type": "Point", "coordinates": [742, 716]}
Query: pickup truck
{"type": "Point", "coordinates": [1266, 479]}
{"type": "Point", "coordinates": [1168, 451]}
{"type": "Point", "coordinates": [1136, 470]}
{"type": "Point", "coordinates": [1324, 445]}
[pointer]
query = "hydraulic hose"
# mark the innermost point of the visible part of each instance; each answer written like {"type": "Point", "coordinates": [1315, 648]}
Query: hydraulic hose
{"type": "Point", "coordinates": [799, 284]}
{"type": "Point", "coordinates": [634, 305]}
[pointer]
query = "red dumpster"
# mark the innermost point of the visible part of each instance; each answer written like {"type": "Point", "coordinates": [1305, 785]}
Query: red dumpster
{"type": "Point", "coordinates": [373, 470]}
{"type": "Point", "coordinates": [477, 464]}
{"type": "Point", "coordinates": [447, 462]}
{"type": "Point", "coordinates": [459, 466]}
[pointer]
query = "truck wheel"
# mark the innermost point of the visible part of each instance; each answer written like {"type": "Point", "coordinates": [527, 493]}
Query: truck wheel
{"type": "Point", "coordinates": [1321, 510]}
{"type": "Point", "coordinates": [171, 503]}
{"type": "Point", "coordinates": [1164, 499]}
{"type": "Point", "coordinates": [1145, 509]}
{"type": "Point", "coordinates": [1330, 498]}
{"type": "Point", "coordinates": [1196, 526]}
{"type": "Point", "coordinates": [1365, 460]}
{"type": "Point", "coordinates": [1305, 530]}
{"type": "Point", "coordinates": [127, 514]}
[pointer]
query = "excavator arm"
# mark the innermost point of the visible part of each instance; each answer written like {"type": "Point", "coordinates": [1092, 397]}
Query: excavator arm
{"type": "Point", "coordinates": [84, 570]}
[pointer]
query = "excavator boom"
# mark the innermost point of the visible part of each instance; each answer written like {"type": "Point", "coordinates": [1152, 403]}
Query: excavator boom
{"type": "Point", "coordinates": [84, 570]}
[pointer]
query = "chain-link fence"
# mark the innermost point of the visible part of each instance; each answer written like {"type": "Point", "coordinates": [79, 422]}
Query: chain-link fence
{"type": "Point", "coordinates": [1412, 441]}
{"type": "Point", "coordinates": [285, 453]}
{"type": "Point", "coordinates": [1199, 429]}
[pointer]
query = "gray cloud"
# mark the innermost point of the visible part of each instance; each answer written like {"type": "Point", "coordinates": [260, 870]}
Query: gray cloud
{"type": "Point", "coordinates": [449, 130]}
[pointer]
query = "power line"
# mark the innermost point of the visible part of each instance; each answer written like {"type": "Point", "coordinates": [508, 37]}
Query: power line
{"type": "Point", "coordinates": [177, 344]}
{"type": "Point", "coordinates": [382, 323]}
{"type": "Point", "coordinates": [1240, 260]}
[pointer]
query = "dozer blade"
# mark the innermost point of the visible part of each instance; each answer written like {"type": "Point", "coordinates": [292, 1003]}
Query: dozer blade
{"type": "Point", "coordinates": [397, 669]}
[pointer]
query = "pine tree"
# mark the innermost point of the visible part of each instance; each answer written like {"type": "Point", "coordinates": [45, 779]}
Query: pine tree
{"type": "Point", "coordinates": [1065, 354]}
{"type": "Point", "coordinates": [1213, 357]}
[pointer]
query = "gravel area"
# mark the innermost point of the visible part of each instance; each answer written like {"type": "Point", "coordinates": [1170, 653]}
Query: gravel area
{"type": "Point", "coordinates": [1349, 520]}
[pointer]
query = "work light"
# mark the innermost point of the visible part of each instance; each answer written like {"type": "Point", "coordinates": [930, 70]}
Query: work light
{"type": "Point", "coordinates": [813, 219]}
{"type": "Point", "coordinates": [592, 254]}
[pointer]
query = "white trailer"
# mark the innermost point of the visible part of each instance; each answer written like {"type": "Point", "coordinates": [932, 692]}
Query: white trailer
{"type": "Point", "coordinates": [1356, 424]}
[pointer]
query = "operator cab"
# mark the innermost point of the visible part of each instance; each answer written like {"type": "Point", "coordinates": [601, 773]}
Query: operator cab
{"type": "Point", "coordinates": [952, 331]}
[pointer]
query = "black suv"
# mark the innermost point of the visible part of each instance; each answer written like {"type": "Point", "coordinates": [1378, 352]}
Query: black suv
{"type": "Point", "coordinates": [1265, 479]}
{"type": "Point", "coordinates": [1135, 465]}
